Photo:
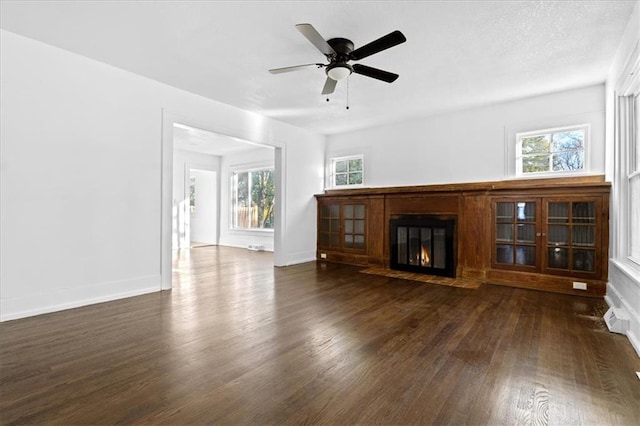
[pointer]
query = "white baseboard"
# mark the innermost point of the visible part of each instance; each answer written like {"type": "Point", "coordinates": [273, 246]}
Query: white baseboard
{"type": "Point", "coordinates": [300, 257]}
{"type": "Point", "coordinates": [68, 298]}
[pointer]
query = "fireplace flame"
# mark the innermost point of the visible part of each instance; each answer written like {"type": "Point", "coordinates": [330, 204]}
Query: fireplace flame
{"type": "Point", "coordinates": [424, 255]}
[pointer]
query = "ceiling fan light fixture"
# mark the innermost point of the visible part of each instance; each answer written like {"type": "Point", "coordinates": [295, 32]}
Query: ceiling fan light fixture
{"type": "Point", "coordinates": [339, 71]}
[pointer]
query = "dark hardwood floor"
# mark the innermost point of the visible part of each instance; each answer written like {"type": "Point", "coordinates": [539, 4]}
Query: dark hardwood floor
{"type": "Point", "coordinates": [239, 342]}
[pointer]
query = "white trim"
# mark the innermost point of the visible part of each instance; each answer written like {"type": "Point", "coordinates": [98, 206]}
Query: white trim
{"type": "Point", "coordinates": [62, 299]}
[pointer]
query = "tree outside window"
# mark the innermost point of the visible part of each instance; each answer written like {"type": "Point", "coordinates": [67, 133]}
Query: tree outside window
{"type": "Point", "coordinates": [253, 199]}
{"type": "Point", "coordinates": [556, 151]}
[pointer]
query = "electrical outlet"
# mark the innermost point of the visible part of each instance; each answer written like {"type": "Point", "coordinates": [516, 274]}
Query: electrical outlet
{"type": "Point", "coordinates": [323, 255]}
{"type": "Point", "coordinates": [579, 286]}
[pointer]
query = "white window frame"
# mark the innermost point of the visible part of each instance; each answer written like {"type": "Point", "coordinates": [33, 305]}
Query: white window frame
{"type": "Point", "coordinates": [234, 196]}
{"type": "Point", "coordinates": [628, 136]}
{"type": "Point", "coordinates": [334, 160]}
{"type": "Point", "coordinates": [519, 156]}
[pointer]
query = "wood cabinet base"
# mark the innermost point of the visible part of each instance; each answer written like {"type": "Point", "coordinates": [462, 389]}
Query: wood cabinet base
{"type": "Point", "coordinates": [506, 231]}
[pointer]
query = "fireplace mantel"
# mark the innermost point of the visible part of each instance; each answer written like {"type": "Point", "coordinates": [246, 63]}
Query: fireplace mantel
{"type": "Point", "coordinates": [364, 241]}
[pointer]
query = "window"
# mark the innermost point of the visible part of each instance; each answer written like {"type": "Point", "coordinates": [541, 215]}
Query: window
{"type": "Point", "coordinates": [253, 199]}
{"type": "Point", "coordinates": [347, 171]}
{"type": "Point", "coordinates": [627, 174]}
{"type": "Point", "coordinates": [551, 151]}
{"type": "Point", "coordinates": [192, 194]}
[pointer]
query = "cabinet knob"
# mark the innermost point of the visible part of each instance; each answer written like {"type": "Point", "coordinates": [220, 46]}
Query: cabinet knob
{"type": "Point", "coordinates": [538, 234]}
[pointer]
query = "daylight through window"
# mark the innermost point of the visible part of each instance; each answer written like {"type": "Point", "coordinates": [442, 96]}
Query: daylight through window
{"type": "Point", "coordinates": [551, 151]}
{"type": "Point", "coordinates": [347, 171]}
{"type": "Point", "coordinates": [253, 199]}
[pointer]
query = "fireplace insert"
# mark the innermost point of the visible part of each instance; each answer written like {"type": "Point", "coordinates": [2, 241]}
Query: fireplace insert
{"type": "Point", "coordinates": [423, 244]}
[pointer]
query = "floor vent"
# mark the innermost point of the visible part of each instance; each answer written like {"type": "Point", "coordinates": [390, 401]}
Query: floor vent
{"type": "Point", "coordinates": [616, 322]}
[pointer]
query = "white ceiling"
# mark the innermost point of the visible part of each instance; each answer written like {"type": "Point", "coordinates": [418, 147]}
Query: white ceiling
{"type": "Point", "coordinates": [458, 54]}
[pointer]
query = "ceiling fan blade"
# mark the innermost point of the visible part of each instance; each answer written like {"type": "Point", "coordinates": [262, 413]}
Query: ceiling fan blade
{"type": "Point", "coordinates": [376, 73]}
{"type": "Point", "coordinates": [385, 42]}
{"type": "Point", "coordinates": [329, 86]}
{"type": "Point", "coordinates": [316, 39]}
{"type": "Point", "coordinates": [294, 68]}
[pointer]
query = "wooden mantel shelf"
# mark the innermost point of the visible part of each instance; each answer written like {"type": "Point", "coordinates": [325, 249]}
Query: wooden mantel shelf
{"type": "Point", "coordinates": [546, 183]}
{"type": "Point", "coordinates": [474, 208]}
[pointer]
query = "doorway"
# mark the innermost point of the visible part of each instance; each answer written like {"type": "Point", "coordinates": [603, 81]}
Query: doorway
{"type": "Point", "coordinates": [203, 215]}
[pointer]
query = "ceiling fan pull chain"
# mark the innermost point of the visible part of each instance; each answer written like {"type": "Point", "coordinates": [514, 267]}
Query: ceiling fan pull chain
{"type": "Point", "coordinates": [347, 93]}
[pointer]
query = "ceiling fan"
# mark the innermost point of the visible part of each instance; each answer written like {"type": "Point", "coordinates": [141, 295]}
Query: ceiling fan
{"type": "Point", "coordinates": [339, 51]}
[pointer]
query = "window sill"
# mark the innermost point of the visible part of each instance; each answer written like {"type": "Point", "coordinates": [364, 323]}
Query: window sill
{"type": "Point", "coordinates": [250, 231]}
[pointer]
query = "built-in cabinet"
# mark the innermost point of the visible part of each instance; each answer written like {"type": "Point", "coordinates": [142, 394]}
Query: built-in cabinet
{"type": "Point", "coordinates": [559, 235]}
{"type": "Point", "coordinates": [342, 226]}
{"type": "Point", "coordinates": [545, 234]}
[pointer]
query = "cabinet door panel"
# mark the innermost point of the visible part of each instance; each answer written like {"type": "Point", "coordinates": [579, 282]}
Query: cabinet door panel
{"type": "Point", "coordinates": [515, 234]}
{"type": "Point", "coordinates": [572, 236]}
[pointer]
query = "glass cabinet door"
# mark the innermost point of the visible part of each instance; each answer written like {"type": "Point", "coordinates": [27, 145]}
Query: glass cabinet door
{"type": "Point", "coordinates": [329, 226]}
{"type": "Point", "coordinates": [354, 226]}
{"type": "Point", "coordinates": [571, 235]}
{"type": "Point", "coordinates": [515, 233]}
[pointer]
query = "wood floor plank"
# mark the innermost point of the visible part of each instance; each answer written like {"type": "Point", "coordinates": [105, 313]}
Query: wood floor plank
{"type": "Point", "coordinates": [237, 341]}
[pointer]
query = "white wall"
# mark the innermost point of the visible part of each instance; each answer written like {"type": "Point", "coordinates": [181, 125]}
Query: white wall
{"type": "Point", "coordinates": [81, 173]}
{"type": "Point", "coordinates": [623, 289]}
{"type": "Point", "coordinates": [182, 162]}
{"type": "Point", "coordinates": [471, 145]}
{"type": "Point", "coordinates": [258, 158]}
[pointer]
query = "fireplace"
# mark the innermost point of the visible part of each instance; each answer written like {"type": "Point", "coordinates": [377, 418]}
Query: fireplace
{"type": "Point", "coordinates": [423, 244]}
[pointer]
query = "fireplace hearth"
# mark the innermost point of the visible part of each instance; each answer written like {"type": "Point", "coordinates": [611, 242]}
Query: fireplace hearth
{"type": "Point", "coordinates": [423, 244]}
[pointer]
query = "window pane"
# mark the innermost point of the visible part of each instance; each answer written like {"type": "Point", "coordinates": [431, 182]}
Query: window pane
{"type": "Point", "coordinates": [253, 199]}
{"type": "Point", "coordinates": [341, 166]}
{"type": "Point", "coordinates": [192, 194]}
{"type": "Point", "coordinates": [262, 198]}
{"type": "Point", "coordinates": [535, 144]}
{"type": "Point", "coordinates": [358, 241]}
{"type": "Point", "coordinates": [341, 179]}
{"type": "Point", "coordinates": [355, 165]}
{"type": "Point", "coordinates": [359, 228]}
{"type": "Point", "coordinates": [359, 211]}
{"type": "Point", "coordinates": [535, 164]}
{"type": "Point", "coordinates": [355, 178]}
{"type": "Point", "coordinates": [242, 215]}
{"type": "Point", "coordinates": [568, 141]}
{"type": "Point", "coordinates": [570, 160]}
